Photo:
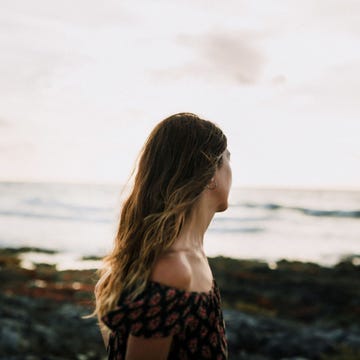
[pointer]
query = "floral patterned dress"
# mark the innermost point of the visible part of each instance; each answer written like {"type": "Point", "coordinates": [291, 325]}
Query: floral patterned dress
{"type": "Point", "coordinates": [195, 320]}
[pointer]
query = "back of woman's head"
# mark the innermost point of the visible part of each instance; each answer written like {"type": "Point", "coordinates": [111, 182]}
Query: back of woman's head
{"type": "Point", "coordinates": [177, 161]}
{"type": "Point", "coordinates": [179, 158]}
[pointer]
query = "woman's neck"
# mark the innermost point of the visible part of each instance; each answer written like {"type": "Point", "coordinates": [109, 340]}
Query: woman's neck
{"type": "Point", "coordinates": [191, 236]}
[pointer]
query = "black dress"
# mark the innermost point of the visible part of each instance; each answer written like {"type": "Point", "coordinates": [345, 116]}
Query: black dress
{"type": "Point", "coordinates": [195, 320]}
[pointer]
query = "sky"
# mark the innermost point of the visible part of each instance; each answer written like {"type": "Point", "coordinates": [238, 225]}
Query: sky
{"type": "Point", "coordinates": [82, 83]}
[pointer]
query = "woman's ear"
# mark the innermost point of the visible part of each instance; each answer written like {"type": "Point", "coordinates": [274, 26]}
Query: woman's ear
{"type": "Point", "coordinates": [212, 184]}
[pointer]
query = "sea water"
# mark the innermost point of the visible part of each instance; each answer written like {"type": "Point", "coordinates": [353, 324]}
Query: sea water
{"type": "Point", "coordinates": [77, 220]}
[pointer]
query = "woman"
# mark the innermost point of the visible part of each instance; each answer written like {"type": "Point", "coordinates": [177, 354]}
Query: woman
{"type": "Point", "coordinates": [157, 296]}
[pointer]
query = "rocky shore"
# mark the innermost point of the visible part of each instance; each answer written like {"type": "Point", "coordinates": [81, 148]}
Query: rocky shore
{"type": "Point", "coordinates": [289, 310]}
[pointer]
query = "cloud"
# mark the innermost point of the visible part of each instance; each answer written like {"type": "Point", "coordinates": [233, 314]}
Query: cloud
{"type": "Point", "coordinates": [279, 79]}
{"type": "Point", "coordinates": [85, 13]}
{"type": "Point", "coordinates": [343, 15]}
{"type": "Point", "coordinates": [337, 89]}
{"type": "Point", "coordinates": [43, 42]}
{"type": "Point", "coordinates": [229, 57]}
{"type": "Point", "coordinates": [4, 123]}
{"type": "Point", "coordinates": [34, 48]}
{"type": "Point", "coordinates": [16, 149]}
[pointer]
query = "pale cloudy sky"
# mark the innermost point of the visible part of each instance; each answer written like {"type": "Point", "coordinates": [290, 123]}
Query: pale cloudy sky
{"type": "Point", "coordinates": [82, 83]}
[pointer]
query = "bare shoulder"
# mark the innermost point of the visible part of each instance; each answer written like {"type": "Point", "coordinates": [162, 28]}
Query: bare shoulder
{"type": "Point", "coordinates": [173, 269]}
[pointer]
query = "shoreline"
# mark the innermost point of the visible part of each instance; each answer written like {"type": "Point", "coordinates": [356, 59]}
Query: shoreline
{"type": "Point", "coordinates": [30, 256]}
{"type": "Point", "coordinates": [293, 309]}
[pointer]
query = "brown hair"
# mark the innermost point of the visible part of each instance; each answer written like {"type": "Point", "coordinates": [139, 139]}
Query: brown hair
{"type": "Point", "coordinates": [177, 161]}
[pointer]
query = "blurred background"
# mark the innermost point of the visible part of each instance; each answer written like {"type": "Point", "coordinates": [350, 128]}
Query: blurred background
{"type": "Point", "coordinates": [82, 85]}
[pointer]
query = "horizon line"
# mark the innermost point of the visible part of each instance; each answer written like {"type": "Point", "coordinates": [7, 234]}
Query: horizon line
{"type": "Point", "coordinates": [235, 186]}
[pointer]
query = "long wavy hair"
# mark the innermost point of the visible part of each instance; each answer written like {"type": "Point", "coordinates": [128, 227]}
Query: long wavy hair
{"type": "Point", "coordinates": [178, 160]}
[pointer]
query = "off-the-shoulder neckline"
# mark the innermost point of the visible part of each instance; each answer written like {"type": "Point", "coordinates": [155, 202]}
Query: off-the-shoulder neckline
{"type": "Point", "coordinates": [208, 293]}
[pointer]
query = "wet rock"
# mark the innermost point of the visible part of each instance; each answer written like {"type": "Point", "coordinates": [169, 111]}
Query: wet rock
{"type": "Point", "coordinates": [291, 311]}
{"type": "Point", "coordinates": [46, 329]}
{"type": "Point", "coordinates": [271, 338]}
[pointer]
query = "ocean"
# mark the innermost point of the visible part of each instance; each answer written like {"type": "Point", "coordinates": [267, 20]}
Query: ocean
{"type": "Point", "coordinates": [78, 220]}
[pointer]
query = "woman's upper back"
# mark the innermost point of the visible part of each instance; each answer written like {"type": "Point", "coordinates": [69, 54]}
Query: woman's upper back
{"type": "Point", "coordinates": [169, 318]}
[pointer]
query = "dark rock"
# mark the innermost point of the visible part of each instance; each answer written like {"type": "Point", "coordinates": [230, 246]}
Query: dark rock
{"type": "Point", "coordinates": [296, 311]}
{"type": "Point", "coordinates": [46, 329]}
{"type": "Point", "coordinates": [273, 338]}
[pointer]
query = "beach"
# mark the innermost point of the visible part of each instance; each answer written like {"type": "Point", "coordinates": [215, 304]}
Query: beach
{"type": "Point", "coordinates": [286, 261]}
{"type": "Point", "coordinates": [288, 310]}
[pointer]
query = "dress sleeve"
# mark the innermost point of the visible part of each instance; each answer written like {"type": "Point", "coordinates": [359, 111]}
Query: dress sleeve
{"type": "Point", "coordinates": [159, 311]}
